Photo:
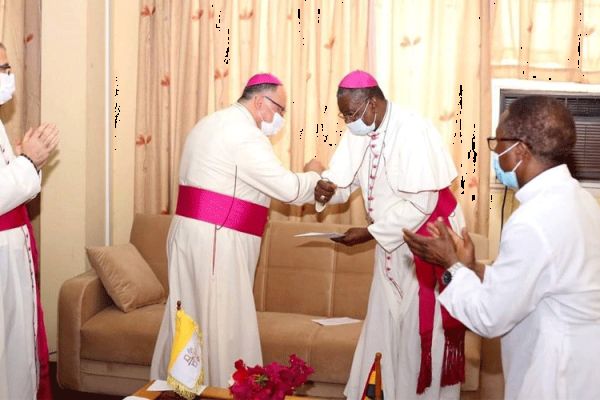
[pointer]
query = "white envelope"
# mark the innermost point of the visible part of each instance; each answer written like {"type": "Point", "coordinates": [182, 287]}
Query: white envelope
{"type": "Point", "coordinates": [325, 235]}
{"type": "Point", "coordinates": [336, 321]}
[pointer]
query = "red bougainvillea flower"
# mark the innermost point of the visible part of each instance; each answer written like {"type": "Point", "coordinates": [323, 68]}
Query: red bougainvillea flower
{"type": "Point", "coordinates": [272, 382]}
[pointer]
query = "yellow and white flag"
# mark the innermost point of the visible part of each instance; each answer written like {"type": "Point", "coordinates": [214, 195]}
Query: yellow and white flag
{"type": "Point", "coordinates": [186, 374]}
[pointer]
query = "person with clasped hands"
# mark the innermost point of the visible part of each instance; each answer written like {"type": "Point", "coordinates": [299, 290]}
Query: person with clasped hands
{"type": "Point", "coordinates": [542, 294]}
{"type": "Point", "coordinates": [24, 370]}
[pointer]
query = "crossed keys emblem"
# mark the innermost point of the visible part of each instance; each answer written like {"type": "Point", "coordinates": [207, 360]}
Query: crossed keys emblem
{"type": "Point", "coordinates": [192, 357]}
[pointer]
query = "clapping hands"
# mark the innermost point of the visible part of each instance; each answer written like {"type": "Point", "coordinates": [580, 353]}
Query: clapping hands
{"type": "Point", "coordinates": [444, 247]}
{"type": "Point", "coordinates": [39, 144]}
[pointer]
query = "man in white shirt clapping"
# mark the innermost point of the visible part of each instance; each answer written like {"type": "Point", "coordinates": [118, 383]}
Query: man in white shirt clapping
{"type": "Point", "coordinates": [542, 295]}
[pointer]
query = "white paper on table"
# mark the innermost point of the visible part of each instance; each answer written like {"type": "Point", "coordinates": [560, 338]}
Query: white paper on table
{"type": "Point", "coordinates": [163, 386]}
{"type": "Point", "coordinates": [336, 321]}
{"type": "Point", "coordinates": [159, 386]}
{"type": "Point", "coordinates": [326, 235]}
{"type": "Point", "coordinates": [134, 398]}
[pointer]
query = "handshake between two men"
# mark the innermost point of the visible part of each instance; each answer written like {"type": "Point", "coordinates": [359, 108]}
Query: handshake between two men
{"type": "Point", "coordinates": [324, 191]}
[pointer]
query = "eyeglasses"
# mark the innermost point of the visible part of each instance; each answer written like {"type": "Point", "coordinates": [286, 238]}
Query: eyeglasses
{"type": "Point", "coordinates": [493, 141]}
{"type": "Point", "coordinates": [281, 108]}
{"type": "Point", "coordinates": [352, 117]}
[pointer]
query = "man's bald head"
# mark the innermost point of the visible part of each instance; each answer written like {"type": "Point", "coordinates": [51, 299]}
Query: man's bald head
{"type": "Point", "coordinates": [544, 124]}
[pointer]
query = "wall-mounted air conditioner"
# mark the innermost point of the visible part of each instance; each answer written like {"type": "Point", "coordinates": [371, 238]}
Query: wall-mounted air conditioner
{"type": "Point", "coordinates": [584, 103]}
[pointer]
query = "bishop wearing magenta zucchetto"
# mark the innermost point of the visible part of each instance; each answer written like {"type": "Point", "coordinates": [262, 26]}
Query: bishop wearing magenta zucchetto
{"type": "Point", "coordinates": [228, 176]}
{"type": "Point", "coordinates": [404, 171]}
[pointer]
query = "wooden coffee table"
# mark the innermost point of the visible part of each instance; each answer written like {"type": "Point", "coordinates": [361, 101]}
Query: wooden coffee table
{"type": "Point", "coordinates": [210, 392]}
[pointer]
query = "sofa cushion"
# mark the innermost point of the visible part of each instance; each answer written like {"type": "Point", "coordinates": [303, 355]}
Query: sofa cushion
{"type": "Point", "coordinates": [126, 276]}
{"type": "Point", "coordinates": [312, 276]}
{"type": "Point", "coordinates": [332, 351]}
{"type": "Point", "coordinates": [294, 273]}
{"type": "Point", "coordinates": [282, 334]}
{"type": "Point", "coordinates": [352, 280]}
{"type": "Point", "coordinates": [328, 349]}
{"type": "Point", "coordinates": [115, 336]}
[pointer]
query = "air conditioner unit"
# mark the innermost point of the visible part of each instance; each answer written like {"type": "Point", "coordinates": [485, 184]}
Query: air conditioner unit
{"type": "Point", "coordinates": [582, 100]}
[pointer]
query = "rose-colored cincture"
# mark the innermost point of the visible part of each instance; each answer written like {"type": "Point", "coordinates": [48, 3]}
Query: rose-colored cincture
{"type": "Point", "coordinates": [14, 219]}
{"type": "Point", "coordinates": [453, 367]}
{"type": "Point", "coordinates": [222, 210]}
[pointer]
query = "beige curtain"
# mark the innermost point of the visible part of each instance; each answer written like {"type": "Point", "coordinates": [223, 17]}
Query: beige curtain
{"type": "Point", "coordinates": [547, 40]}
{"type": "Point", "coordinates": [195, 57]}
{"type": "Point", "coordinates": [430, 56]}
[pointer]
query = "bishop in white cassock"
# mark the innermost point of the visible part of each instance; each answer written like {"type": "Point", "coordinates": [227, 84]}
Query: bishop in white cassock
{"type": "Point", "coordinates": [24, 370]}
{"type": "Point", "coordinates": [542, 294]}
{"type": "Point", "coordinates": [400, 163]}
{"type": "Point", "coordinates": [228, 175]}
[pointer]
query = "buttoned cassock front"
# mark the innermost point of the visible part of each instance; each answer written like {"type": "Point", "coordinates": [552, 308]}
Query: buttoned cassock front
{"type": "Point", "coordinates": [400, 168]}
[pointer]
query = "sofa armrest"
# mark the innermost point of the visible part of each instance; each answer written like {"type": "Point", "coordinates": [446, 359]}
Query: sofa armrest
{"type": "Point", "coordinates": [80, 298]}
{"type": "Point", "coordinates": [472, 362]}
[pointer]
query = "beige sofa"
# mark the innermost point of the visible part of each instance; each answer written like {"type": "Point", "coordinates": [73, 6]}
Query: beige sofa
{"type": "Point", "coordinates": [103, 350]}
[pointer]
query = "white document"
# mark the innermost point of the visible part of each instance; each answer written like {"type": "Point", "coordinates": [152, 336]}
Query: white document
{"type": "Point", "coordinates": [159, 386]}
{"type": "Point", "coordinates": [336, 321]}
{"type": "Point", "coordinates": [163, 386]}
{"type": "Point", "coordinates": [326, 235]}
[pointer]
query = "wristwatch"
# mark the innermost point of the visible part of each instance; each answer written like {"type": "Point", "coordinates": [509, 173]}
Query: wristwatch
{"type": "Point", "coordinates": [449, 273]}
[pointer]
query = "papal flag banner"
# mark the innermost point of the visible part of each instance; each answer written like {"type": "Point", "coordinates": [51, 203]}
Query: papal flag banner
{"type": "Point", "coordinates": [186, 375]}
{"type": "Point", "coordinates": [373, 387]}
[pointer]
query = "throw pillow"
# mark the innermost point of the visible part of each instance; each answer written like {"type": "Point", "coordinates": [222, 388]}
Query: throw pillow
{"type": "Point", "coordinates": [126, 276]}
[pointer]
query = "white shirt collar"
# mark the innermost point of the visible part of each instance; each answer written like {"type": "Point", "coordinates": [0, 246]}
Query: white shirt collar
{"type": "Point", "coordinates": [547, 178]}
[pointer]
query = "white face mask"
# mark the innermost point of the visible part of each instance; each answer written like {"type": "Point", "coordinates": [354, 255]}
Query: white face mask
{"type": "Point", "coordinates": [359, 128]}
{"type": "Point", "coordinates": [507, 178]}
{"type": "Point", "coordinates": [7, 87]}
{"type": "Point", "coordinates": [271, 128]}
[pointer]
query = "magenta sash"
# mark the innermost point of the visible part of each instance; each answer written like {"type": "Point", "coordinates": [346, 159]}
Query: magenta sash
{"type": "Point", "coordinates": [14, 219]}
{"type": "Point", "coordinates": [222, 210]}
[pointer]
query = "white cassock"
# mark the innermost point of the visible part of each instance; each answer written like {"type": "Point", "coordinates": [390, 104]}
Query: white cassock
{"type": "Point", "coordinates": [212, 270]}
{"type": "Point", "coordinates": [19, 182]}
{"type": "Point", "coordinates": [400, 171]}
{"type": "Point", "coordinates": [548, 267]}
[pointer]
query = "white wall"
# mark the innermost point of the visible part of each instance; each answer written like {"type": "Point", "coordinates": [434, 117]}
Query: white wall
{"type": "Point", "coordinates": [72, 87]}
